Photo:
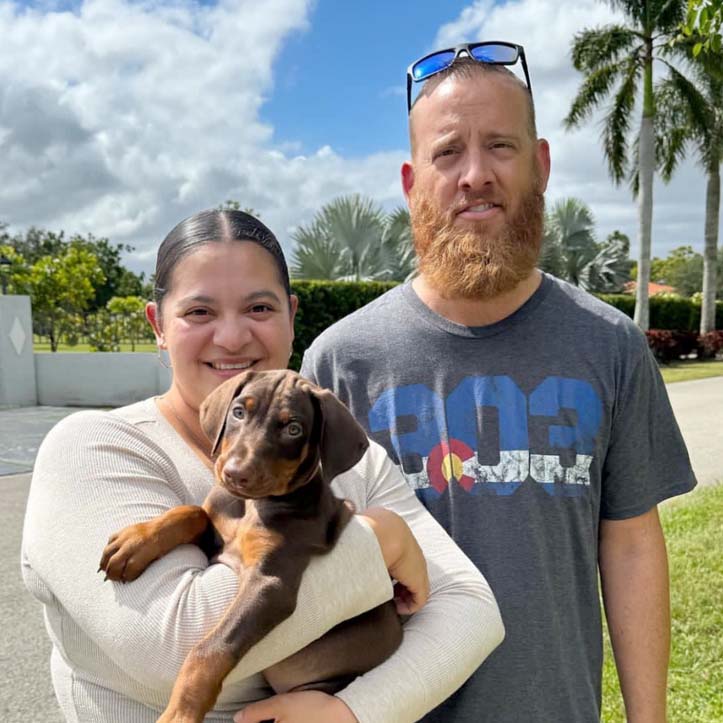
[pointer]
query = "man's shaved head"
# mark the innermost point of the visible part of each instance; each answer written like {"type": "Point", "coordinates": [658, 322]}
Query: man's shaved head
{"type": "Point", "coordinates": [466, 68]}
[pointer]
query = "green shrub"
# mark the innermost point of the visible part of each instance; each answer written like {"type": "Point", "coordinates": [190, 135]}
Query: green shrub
{"type": "Point", "coordinates": [321, 303]}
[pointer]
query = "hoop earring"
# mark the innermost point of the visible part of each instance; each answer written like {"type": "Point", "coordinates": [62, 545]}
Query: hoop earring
{"type": "Point", "coordinates": [161, 361]}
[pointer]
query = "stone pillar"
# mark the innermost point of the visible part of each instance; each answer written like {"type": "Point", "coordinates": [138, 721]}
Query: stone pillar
{"type": "Point", "coordinates": [17, 362]}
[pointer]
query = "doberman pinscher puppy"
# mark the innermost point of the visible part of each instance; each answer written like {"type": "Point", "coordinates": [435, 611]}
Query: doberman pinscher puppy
{"type": "Point", "coordinates": [278, 442]}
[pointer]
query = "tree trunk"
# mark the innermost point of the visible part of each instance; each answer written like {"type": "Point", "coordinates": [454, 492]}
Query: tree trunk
{"type": "Point", "coordinates": [646, 165]}
{"type": "Point", "coordinates": [712, 210]}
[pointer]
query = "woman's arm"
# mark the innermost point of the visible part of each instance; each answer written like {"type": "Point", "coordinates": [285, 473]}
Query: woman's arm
{"type": "Point", "coordinates": [97, 473]}
{"type": "Point", "coordinates": [448, 638]}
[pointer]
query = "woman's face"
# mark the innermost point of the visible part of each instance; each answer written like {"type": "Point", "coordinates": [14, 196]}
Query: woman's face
{"type": "Point", "coordinates": [226, 311]}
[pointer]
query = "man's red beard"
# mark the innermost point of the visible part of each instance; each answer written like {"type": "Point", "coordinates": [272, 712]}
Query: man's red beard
{"type": "Point", "coordinates": [471, 263]}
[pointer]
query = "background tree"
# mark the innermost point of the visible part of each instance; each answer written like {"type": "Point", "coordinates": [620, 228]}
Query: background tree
{"type": "Point", "coordinates": [129, 311]}
{"type": "Point", "coordinates": [691, 113]}
{"type": "Point", "coordinates": [571, 252]}
{"type": "Point", "coordinates": [13, 275]}
{"type": "Point", "coordinates": [618, 60]}
{"type": "Point", "coordinates": [37, 243]}
{"type": "Point", "coordinates": [61, 286]}
{"type": "Point", "coordinates": [703, 24]}
{"type": "Point", "coordinates": [352, 239]}
{"type": "Point", "coordinates": [231, 205]}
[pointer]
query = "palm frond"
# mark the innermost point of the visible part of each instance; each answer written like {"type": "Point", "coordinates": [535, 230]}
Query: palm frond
{"type": "Point", "coordinates": [595, 48]}
{"type": "Point", "coordinates": [316, 254]}
{"type": "Point", "coordinates": [666, 16]}
{"type": "Point", "coordinates": [617, 123]}
{"type": "Point", "coordinates": [594, 89]}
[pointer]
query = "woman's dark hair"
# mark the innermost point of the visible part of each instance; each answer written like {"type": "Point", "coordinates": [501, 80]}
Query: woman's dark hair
{"type": "Point", "coordinates": [214, 226]}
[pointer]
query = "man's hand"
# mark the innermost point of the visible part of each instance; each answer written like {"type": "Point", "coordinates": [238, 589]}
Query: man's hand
{"type": "Point", "coordinates": [634, 575]}
{"type": "Point", "coordinates": [309, 706]}
{"type": "Point", "coordinates": [403, 557]}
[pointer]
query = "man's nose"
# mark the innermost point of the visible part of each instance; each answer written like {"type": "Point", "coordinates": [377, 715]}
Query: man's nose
{"type": "Point", "coordinates": [476, 174]}
{"type": "Point", "coordinates": [232, 333]}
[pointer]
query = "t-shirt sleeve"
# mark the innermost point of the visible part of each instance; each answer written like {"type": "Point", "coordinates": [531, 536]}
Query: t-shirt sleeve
{"type": "Point", "coordinates": [95, 474]}
{"type": "Point", "coordinates": [647, 460]}
{"type": "Point", "coordinates": [448, 638]}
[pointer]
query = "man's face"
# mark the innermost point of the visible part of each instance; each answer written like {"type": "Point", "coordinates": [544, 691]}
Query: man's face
{"type": "Point", "coordinates": [475, 186]}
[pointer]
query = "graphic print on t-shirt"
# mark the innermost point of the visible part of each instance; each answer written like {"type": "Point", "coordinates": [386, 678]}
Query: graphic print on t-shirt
{"type": "Point", "coordinates": [488, 436]}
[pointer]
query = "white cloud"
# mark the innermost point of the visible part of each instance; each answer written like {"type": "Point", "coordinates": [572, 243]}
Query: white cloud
{"type": "Point", "coordinates": [545, 29]}
{"type": "Point", "coordinates": [121, 118]}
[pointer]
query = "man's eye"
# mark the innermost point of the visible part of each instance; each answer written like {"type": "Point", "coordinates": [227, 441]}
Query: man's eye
{"type": "Point", "coordinates": [197, 312]}
{"type": "Point", "coordinates": [445, 152]}
{"type": "Point", "coordinates": [238, 412]}
{"type": "Point", "coordinates": [260, 308]}
{"type": "Point", "coordinates": [294, 429]}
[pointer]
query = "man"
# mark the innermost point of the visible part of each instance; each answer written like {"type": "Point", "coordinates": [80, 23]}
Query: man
{"type": "Point", "coordinates": [529, 416]}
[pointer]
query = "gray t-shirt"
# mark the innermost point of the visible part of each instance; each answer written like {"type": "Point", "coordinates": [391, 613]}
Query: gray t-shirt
{"type": "Point", "coordinates": [519, 437]}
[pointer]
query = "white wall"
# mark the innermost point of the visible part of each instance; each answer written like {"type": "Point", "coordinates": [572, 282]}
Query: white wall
{"type": "Point", "coordinates": [17, 377]}
{"type": "Point", "coordinates": [98, 379]}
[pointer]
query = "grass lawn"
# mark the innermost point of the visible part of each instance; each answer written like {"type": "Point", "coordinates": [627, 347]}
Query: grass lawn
{"type": "Point", "coordinates": [684, 371]}
{"type": "Point", "coordinates": [140, 346]}
{"type": "Point", "coordinates": [694, 537]}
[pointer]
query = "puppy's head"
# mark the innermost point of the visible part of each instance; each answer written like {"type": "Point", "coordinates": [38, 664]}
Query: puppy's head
{"type": "Point", "coordinates": [273, 431]}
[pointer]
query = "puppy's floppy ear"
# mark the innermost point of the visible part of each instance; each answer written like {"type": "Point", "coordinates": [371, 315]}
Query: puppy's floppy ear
{"type": "Point", "coordinates": [342, 441]}
{"type": "Point", "coordinates": [214, 408]}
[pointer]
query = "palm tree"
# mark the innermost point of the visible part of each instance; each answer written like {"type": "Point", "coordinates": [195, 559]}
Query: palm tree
{"type": "Point", "coordinates": [570, 251]}
{"type": "Point", "coordinates": [618, 60]}
{"type": "Point", "coordinates": [692, 113]}
{"type": "Point", "coordinates": [352, 239]}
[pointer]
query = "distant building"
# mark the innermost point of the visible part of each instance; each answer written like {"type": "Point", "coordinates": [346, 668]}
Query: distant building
{"type": "Point", "coordinates": [632, 286]}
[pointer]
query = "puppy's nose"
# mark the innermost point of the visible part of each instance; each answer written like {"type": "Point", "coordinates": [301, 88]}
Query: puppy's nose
{"type": "Point", "coordinates": [235, 472]}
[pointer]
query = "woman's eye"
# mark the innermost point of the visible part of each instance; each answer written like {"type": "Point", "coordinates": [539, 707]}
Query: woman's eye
{"type": "Point", "coordinates": [294, 429]}
{"type": "Point", "coordinates": [238, 412]}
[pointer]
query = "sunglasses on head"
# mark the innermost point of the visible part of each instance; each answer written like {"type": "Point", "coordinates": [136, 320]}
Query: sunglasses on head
{"type": "Point", "coordinates": [492, 52]}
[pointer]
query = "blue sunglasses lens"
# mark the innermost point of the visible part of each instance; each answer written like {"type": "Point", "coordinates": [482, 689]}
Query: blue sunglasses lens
{"type": "Point", "coordinates": [433, 64]}
{"type": "Point", "coordinates": [501, 54]}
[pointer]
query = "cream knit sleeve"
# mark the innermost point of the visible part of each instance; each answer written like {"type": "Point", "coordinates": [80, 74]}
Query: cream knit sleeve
{"type": "Point", "coordinates": [449, 637]}
{"type": "Point", "coordinates": [96, 473]}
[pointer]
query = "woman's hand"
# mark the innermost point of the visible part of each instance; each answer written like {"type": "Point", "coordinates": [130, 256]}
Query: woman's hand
{"type": "Point", "coordinates": [403, 558]}
{"type": "Point", "coordinates": [309, 706]}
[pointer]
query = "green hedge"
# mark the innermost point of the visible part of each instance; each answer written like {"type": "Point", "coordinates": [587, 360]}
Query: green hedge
{"type": "Point", "coordinates": [666, 311]}
{"type": "Point", "coordinates": [321, 303]}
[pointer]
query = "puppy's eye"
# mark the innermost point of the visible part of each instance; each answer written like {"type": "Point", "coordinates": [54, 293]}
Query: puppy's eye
{"type": "Point", "coordinates": [294, 429]}
{"type": "Point", "coordinates": [238, 412]}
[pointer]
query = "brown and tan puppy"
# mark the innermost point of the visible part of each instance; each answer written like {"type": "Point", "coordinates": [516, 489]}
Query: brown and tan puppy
{"type": "Point", "coordinates": [278, 442]}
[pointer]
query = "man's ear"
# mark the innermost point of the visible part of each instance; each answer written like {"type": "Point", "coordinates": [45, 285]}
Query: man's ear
{"type": "Point", "coordinates": [407, 179]}
{"type": "Point", "coordinates": [153, 317]}
{"type": "Point", "coordinates": [543, 163]}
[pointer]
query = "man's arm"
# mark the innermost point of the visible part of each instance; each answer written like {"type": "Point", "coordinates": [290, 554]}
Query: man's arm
{"type": "Point", "coordinates": [634, 573]}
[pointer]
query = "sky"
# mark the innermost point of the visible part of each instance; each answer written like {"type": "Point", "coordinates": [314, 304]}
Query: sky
{"type": "Point", "coordinates": [120, 118]}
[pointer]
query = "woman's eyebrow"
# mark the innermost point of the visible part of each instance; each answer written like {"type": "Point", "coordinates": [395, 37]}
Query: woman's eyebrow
{"type": "Point", "coordinates": [263, 294]}
{"type": "Point", "coordinates": [254, 296]}
{"type": "Point", "coordinates": [196, 299]}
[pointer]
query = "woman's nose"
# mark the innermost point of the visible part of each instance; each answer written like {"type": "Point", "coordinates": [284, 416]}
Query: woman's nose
{"type": "Point", "coordinates": [232, 334]}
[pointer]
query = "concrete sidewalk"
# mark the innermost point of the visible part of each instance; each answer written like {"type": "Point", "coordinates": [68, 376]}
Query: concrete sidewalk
{"type": "Point", "coordinates": [21, 432]}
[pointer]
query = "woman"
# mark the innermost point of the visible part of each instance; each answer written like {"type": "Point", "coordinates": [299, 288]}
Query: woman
{"type": "Point", "coordinates": [223, 304]}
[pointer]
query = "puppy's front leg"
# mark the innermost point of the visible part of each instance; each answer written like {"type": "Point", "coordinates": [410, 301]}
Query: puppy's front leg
{"type": "Point", "coordinates": [267, 596]}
